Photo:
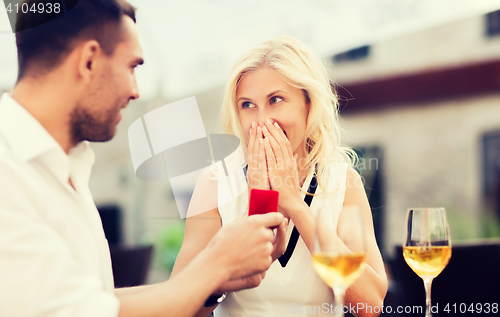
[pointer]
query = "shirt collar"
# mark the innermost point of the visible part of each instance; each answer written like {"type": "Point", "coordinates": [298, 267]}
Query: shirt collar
{"type": "Point", "coordinates": [28, 139]}
{"type": "Point", "coordinates": [82, 159]}
{"type": "Point", "coordinates": [25, 136]}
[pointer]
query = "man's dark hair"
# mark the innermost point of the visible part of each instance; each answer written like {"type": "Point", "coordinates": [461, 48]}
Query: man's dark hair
{"type": "Point", "coordinates": [45, 40]}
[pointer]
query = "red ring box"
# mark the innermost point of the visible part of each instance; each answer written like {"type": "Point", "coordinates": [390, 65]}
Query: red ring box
{"type": "Point", "coordinates": [263, 201]}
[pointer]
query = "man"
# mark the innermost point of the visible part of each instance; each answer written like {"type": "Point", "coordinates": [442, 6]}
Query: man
{"type": "Point", "coordinates": [76, 72]}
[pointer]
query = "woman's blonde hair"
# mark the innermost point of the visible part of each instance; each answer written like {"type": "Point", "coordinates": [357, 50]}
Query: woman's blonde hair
{"type": "Point", "coordinates": [299, 66]}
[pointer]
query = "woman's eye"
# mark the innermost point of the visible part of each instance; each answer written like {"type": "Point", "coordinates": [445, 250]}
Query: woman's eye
{"type": "Point", "coordinates": [276, 99]}
{"type": "Point", "coordinates": [247, 104]}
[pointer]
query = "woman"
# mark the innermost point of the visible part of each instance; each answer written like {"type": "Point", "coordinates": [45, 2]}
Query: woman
{"type": "Point", "coordinates": [280, 104]}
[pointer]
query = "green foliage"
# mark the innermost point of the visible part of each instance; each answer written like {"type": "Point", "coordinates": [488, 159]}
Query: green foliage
{"type": "Point", "coordinates": [168, 244]}
{"type": "Point", "coordinates": [491, 226]}
{"type": "Point", "coordinates": [462, 225]}
{"type": "Point", "coordinates": [465, 226]}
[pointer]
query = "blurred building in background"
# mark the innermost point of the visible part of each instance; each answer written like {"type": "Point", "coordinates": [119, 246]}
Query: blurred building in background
{"type": "Point", "coordinates": [428, 105]}
{"type": "Point", "coordinates": [423, 111]}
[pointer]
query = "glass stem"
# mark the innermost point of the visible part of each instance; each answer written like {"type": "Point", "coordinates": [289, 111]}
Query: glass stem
{"type": "Point", "coordinates": [428, 305]}
{"type": "Point", "coordinates": [339, 293]}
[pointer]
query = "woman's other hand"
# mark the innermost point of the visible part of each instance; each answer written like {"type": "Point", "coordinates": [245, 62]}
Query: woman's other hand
{"type": "Point", "coordinates": [281, 166]}
{"type": "Point", "coordinates": [251, 281]}
{"type": "Point", "coordinates": [279, 242]}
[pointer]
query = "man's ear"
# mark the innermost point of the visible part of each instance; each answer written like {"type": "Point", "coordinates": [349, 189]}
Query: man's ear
{"type": "Point", "coordinates": [88, 59]}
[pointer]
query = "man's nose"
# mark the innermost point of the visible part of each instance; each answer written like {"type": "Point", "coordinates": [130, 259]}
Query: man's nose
{"type": "Point", "coordinates": [134, 94]}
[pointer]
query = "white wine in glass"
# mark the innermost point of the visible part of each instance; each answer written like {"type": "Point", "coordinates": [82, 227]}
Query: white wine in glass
{"type": "Point", "coordinates": [427, 246]}
{"type": "Point", "coordinates": [339, 250]}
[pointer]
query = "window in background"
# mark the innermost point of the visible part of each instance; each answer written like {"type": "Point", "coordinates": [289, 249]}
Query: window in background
{"type": "Point", "coordinates": [352, 55]}
{"type": "Point", "coordinates": [370, 169]}
{"type": "Point", "coordinates": [491, 185]}
{"type": "Point", "coordinates": [493, 23]}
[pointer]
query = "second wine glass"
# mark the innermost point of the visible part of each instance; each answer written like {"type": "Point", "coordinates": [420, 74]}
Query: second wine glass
{"type": "Point", "coordinates": [427, 246]}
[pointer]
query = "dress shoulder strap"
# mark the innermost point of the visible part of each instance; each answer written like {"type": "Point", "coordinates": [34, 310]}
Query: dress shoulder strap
{"type": "Point", "coordinates": [285, 257]}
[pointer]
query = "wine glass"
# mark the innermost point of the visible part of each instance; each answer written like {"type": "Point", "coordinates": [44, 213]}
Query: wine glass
{"type": "Point", "coordinates": [427, 246]}
{"type": "Point", "coordinates": [339, 250]}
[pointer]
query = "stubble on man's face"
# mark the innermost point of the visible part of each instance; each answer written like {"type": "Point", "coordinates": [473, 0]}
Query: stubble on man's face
{"type": "Point", "coordinates": [92, 127]}
{"type": "Point", "coordinates": [98, 112]}
{"type": "Point", "coordinates": [95, 117]}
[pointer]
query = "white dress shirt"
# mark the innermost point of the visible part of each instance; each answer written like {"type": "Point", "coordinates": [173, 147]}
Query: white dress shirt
{"type": "Point", "coordinates": [54, 258]}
